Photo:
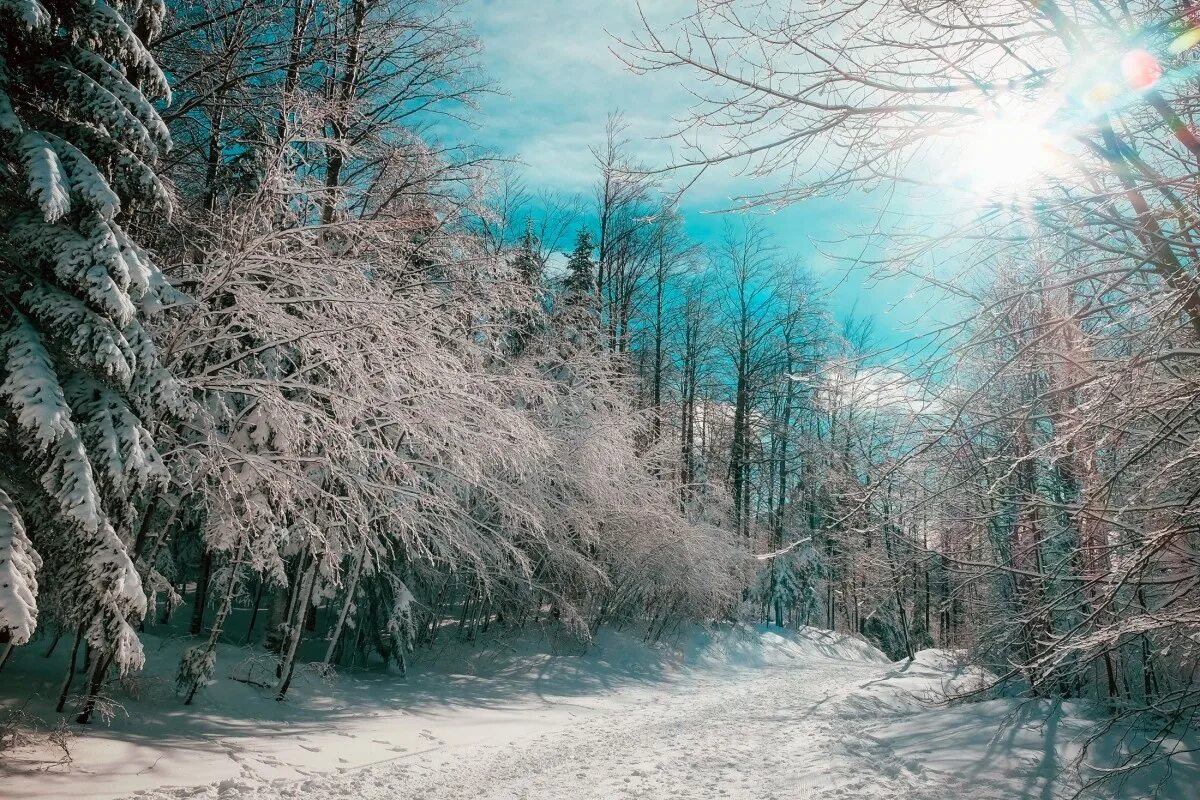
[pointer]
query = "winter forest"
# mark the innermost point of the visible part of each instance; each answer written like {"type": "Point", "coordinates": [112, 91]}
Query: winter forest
{"type": "Point", "coordinates": [866, 367]}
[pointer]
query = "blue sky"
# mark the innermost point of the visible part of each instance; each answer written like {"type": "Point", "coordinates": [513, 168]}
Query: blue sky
{"type": "Point", "coordinates": [552, 60]}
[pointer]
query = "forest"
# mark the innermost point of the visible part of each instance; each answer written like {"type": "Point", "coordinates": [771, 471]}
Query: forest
{"type": "Point", "coordinates": [290, 362]}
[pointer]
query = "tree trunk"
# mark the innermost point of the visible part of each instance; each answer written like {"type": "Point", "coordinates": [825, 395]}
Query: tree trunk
{"type": "Point", "coordinates": [296, 631]}
{"type": "Point", "coordinates": [346, 89]}
{"type": "Point", "coordinates": [96, 680]}
{"type": "Point", "coordinates": [218, 623]}
{"type": "Point", "coordinates": [283, 604]}
{"type": "Point", "coordinates": [351, 588]}
{"type": "Point", "coordinates": [201, 597]}
{"type": "Point", "coordinates": [209, 200]}
{"type": "Point", "coordinates": [54, 643]}
{"type": "Point", "coordinates": [66, 684]}
{"type": "Point", "coordinates": [258, 595]}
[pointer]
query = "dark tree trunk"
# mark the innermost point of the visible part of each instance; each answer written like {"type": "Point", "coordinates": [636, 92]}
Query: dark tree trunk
{"type": "Point", "coordinates": [258, 595]}
{"type": "Point", "coordinates": [99, 670]}
{"type": "Point", "coordinates": [201, 598]}
{"type": "Point", "coordinates": [66, 684]}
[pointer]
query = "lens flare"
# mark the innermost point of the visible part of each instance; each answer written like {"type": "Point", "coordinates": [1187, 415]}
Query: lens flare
{"type": "Point", "coordinates": [1101, 95]}
{"type": "Point", "coordinates": [1185, 41]}
{"type": "Point", "coordinates": [1140, 69]}
{"type": "Point", "coordinates": [1007, 157]}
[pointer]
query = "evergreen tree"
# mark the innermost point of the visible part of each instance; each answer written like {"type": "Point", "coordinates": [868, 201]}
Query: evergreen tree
{"type": "Point", "coordinates": [79, 376]}
{"type": "Point", "coordinates": [581, 280]}
{"type": "Point", "coordinates": [528, 265]}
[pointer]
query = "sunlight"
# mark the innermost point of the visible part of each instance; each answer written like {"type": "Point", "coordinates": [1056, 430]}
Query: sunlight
{"type": "Point", "coordinates": [1007, 156]}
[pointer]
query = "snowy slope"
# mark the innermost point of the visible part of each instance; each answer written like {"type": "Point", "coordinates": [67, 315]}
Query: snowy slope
{"type": "Point", "coordinates": [751, 715]}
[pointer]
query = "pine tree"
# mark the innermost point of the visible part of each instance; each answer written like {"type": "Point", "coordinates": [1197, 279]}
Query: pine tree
{"type": "Point", "coordinates": [528, 266]}
{"type": "Point", "coordinates": [79, 376]}
{"type": "Point", "coordinates": [581, 281]}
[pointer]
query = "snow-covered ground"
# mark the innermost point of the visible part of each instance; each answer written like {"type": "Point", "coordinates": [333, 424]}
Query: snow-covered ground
{"type": "Point", "coordinates": [749, 715]}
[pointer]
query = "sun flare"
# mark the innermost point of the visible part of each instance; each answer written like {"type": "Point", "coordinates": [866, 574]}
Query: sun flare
{"type": "Point", "coordinates": [1007, 157]}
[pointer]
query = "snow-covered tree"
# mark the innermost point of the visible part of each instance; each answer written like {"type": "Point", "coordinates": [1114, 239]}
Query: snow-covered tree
{"type": "Point", "coordinates": [580, 284]}
{"type": "Point", "coordinates": [395, 417]}
{"type": "Point", "coordinates": [80, 379]}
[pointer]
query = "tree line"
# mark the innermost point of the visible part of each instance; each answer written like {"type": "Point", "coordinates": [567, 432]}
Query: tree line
{"type": "Point", "coordinates": [279, 358]}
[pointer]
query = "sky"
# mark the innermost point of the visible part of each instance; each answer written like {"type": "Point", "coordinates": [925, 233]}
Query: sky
{"type": "Point", "coordinates": [559, 78]}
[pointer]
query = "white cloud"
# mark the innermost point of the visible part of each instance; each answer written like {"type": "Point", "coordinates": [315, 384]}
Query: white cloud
{"type": "Point", "coordinates": [555, 63]}
{"type": "Point", "coordinates": [870, 388]}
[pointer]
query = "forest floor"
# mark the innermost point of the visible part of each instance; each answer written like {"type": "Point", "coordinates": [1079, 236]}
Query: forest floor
{"type": "Point", "coordinates": [752, 715]}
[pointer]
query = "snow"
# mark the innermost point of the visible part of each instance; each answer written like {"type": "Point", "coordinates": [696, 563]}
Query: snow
{"type": "Point", "coordinates": [87, 182]}
{"type": "Point", "coordinates": [47, 181]}
{"type": "Point", "coordinates": [131, 96]}
{"type": "Point", "coordinates": [19, 564]}
{"type": "Point", "coordinates": [31, 387]}
{"type": "Point", "coordinates": [717, 714]}
{"type": "Point", "coordinates": [105, 31]}
{"type": "Point", "coordinates": [31, 13]}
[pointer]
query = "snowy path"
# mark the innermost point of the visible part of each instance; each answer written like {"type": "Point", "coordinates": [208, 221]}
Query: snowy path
{"type": "Point", "coordinates": [770, 734]}
{"type": "Point", "coordinates": [803, 714]}
{"type": "Point", "coordinates": [774, 731]}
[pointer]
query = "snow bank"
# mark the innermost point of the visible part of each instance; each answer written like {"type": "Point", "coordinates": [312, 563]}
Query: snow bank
{"type": "Point", "coordinates": [766, 646]}
{"type": "Point", "coordinates": [1031, 749]}
{"type": "Point", "coordinates": [1014, 747]}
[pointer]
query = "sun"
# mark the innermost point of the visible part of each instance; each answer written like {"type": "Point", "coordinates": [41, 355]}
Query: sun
{"type": "Point", "coordinates": [1007, 157]}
